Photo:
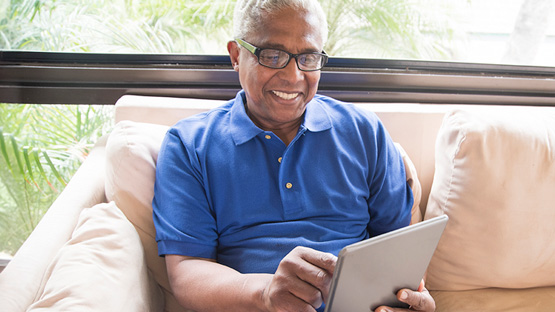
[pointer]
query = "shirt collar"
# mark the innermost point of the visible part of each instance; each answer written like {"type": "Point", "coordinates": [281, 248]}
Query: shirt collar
{"type": "Point", "coordinates": [241, 126]}
{"type": "Point", "coordinates": [243, 129]}
{"type": "Point", "coordinates": [316, 117]}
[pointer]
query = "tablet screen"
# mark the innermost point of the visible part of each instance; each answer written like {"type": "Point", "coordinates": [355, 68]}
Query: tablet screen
{"type": "Point", "coordinates": [369, 273]}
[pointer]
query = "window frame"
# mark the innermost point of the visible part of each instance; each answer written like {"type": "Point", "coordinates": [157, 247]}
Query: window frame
{"type": "Point", "coordinates": [92, 78]}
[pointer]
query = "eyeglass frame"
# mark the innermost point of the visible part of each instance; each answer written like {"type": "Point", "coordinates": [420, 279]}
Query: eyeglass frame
{"type": "Point", "coordinates": [256, 51]}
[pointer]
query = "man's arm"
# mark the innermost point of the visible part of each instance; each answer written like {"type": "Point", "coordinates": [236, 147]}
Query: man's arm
{"type": "Point", "coordinates": [301, 283]}
{"type": "Point", "coordinates": [204, 285]}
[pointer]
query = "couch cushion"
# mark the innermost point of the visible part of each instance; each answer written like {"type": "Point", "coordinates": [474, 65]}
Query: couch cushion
{"type": "Point", "coordinates": [132, 151]}
{"type": "Point", "coordinates": [496, 300]}
{"type": "Point", "coordinates": [414, 183]}
{"type": "Point", "coordinates": [495, 178]}
{"type": "Point", "coordinates": [101, 268]}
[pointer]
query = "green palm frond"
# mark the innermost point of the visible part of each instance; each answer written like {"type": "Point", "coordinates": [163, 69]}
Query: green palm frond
{"type": "Point", "coordinates": [14, 22]}
{"type": "Point", "coordinates": [53, 168]}
{"type": "Point", "coordinates": [41, 146]}
{"type": "Point", "coordinates": [17, 155]}
{"type": "Point", "coordinates": [389, 29]}
{"type": "Point", "coordinates": [4, 151]}
{"type": "Point", "coordinates": [31, 165]}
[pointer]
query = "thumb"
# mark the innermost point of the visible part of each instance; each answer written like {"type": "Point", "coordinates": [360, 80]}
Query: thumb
{"type": "Point", "coordinates": [419, 301]}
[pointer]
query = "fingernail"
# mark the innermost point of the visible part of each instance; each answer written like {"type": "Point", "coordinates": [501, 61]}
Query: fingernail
{"type": "Point", "coordinates": [404, 295]}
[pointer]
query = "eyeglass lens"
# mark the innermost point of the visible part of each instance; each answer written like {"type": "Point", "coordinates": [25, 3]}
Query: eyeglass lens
{"type": "Point", "coordinates": [279, 59]}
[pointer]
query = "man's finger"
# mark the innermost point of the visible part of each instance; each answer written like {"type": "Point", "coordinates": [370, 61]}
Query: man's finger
{"type": "Point", "coordinates": [306, 292]}
{"type": "Point", "coordinates": [319, 272]}
{"type": "Point", "coordinates": [320, 259]}
{"type": "Point", "coordinates": [421, 286]}
{"type": "Point", "coordinates": [317, 277]}
{"type": "Point", "coordinates": [419, 301]}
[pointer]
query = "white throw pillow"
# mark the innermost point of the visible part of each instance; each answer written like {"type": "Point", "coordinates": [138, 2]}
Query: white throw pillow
{"type": "Point", "coordinates": [495, 178]}
{"type": "Point", "coordinates": [101, 268]}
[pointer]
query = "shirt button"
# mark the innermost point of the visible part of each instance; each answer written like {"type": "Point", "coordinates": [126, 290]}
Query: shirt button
{"type": "Point", "coordinates": [288, 185]}
{"type": "Point", "coordinates": [268, 136]}
{"type": "Point", "coordinates": [279, 159]}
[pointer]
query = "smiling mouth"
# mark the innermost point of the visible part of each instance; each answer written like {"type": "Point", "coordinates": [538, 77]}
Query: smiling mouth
{"type": "Point", "coordinates": [286, 96]}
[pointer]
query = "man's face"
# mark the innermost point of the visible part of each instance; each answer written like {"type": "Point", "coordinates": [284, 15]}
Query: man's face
{"type": "Point", "coordinates": [277, 98]}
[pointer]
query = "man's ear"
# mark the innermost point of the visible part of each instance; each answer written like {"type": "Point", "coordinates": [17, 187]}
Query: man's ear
{"type": "Point", "coordinates": [233, 50]}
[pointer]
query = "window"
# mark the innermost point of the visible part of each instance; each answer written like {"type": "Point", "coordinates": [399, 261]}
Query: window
{"type": "Point", "coordinates": [91, 52]}
{"type": "Point", "coordinates": [520, 32]}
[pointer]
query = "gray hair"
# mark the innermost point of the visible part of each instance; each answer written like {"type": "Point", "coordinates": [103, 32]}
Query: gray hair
{"type": "Point", "coordinates": [248, 14]}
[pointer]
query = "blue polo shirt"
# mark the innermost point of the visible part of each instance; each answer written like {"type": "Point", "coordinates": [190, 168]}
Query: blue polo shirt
{"type": "Point", "coordinates": [227, 190]}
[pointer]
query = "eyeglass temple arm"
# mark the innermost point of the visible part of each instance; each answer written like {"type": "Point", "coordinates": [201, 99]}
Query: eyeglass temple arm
{"type": "Point", "coordinates": [246, 45]}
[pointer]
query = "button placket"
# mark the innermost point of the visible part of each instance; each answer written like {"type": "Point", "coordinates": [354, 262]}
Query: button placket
{"type": "Point", "coordinates": [291, 195]}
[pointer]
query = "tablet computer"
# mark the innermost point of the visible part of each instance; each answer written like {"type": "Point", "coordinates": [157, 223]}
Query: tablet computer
{"type": "Point", "coordinates": [369, 273]}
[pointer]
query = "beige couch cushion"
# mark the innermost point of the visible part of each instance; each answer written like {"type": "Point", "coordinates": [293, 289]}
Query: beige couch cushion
{"type": "Point", "coordinates": [541, 299]}
{"type": "Point", "coordinates": [101, 268]}
{"type": "Point", "coordinates": [495, 178]}
{"type": "Point", "coordinates": [414, 183]}
{"type": "Point", "coordinates": [132, 151]}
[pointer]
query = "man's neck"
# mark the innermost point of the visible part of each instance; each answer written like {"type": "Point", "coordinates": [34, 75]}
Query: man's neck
{"type": "Point", "coordinates": [286, 131]}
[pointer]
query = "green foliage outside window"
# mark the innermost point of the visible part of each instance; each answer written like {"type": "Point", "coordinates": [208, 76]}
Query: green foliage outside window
{"type": "Point", "coordinates": [382, 28]}
{"type": "Point", "coordinates": [41, 147]}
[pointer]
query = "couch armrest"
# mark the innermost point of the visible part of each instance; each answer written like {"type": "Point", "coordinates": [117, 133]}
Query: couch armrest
{"type": "Point", "coordinates": [22, 278]}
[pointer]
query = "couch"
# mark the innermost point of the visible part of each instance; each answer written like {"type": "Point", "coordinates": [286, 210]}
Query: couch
{"type": "Point", "coordinates": [490, 168]}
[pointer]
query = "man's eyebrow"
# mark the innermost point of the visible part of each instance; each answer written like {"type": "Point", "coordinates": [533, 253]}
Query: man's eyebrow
{"type": "Point", "coordinates": [270, 45]}
{"type": "Point", "coordinates": [279, 46]}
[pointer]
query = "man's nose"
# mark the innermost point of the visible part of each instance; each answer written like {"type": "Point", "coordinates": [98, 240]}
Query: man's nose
{"type": "Point", "coordinates": [291, 72]}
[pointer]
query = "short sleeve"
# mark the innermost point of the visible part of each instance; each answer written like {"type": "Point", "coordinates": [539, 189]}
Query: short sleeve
{"type": "Point", "coordinates": [391, 198]}
{"type": "Point", "coordinates": [185, 224]}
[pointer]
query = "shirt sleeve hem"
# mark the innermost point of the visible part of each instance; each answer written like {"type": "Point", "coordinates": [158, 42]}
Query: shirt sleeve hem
{"type": "Point", "coordinates": [169, 247]}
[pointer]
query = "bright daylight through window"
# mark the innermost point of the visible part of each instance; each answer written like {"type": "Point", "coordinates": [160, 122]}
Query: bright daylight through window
{"type": "Point", "coordinates": [42, 145]}
{"type": "Point", "coordinates": [479, 31]}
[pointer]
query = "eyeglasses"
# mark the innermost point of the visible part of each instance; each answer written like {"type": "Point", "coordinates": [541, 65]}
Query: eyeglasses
{"type": "Point", "coordinates": [274, 58]}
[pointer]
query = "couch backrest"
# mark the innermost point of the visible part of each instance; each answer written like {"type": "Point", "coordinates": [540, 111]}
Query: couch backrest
{"type": "Point", "coordinates": [493, 169]}
{"type": "Point", "coordinates": [414, 126]}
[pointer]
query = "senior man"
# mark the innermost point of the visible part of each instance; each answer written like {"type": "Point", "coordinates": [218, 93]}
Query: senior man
{"type": "Point", "coordinates": [254, 199]}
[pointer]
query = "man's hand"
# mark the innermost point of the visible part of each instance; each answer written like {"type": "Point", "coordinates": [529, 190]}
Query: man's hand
{"type": "Point", "coordinates": [419, 300]}
{"type": "Point", "coordinates": [301, 282]}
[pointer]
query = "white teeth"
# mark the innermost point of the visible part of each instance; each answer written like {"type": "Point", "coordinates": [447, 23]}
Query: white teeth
{"type": "Point", "coordinates": [286, 96]}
